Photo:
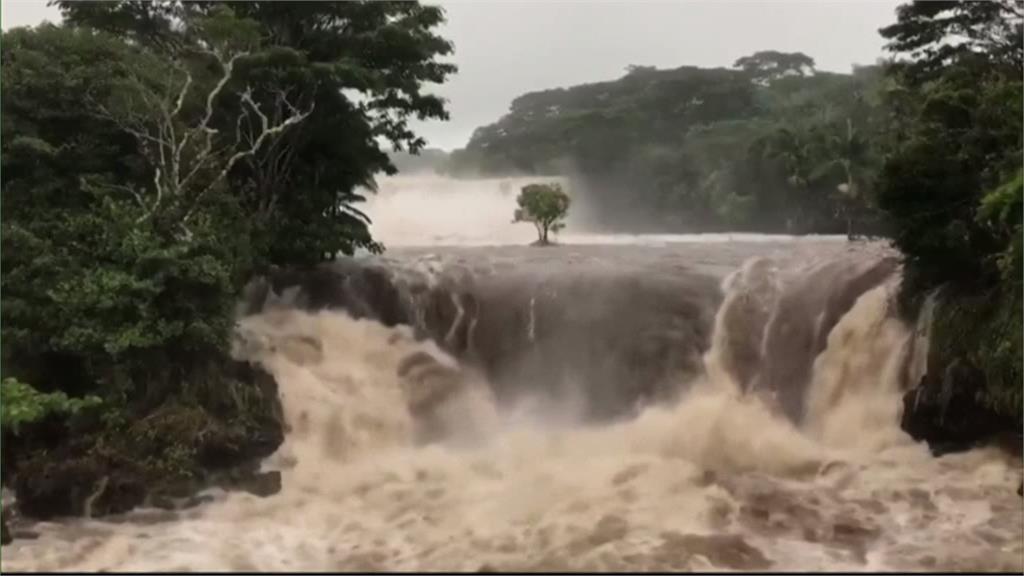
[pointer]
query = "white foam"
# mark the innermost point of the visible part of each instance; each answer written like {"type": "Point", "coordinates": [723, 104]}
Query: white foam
{"type": "Point", "coordinates": [360, 494]}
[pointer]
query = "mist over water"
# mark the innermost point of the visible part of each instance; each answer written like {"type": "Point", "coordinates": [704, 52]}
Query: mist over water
{"type": "Point", "coordinates": [404, 454]}
{"type": "Point", "coordinates": [433, 210]}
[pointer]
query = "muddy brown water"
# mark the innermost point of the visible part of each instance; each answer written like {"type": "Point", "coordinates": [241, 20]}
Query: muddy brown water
{"type": "Point", "coordinates": [614, 404]}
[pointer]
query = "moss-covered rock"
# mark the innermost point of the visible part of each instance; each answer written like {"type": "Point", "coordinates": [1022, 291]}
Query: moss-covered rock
{"type": "Point", "coordinates": [972, 389]}
{"type": "Point", "coordinates": [69, 483]}
{"type": "Point", "coordinates": [226, 417]}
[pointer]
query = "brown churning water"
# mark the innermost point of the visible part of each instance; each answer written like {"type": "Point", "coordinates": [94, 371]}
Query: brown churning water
{"type": "Point", "coordinates": [634, 405]}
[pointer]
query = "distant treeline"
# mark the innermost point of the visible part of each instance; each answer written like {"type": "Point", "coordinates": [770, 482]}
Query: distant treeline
{"type": "Point", "coordinates": [770, 145]}
{"type": "Point", "coordinates": [428, 160]}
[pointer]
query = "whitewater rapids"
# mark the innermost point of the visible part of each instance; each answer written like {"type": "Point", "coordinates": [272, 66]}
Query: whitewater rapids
{"type": "Point", "coordinates": [717, 479]}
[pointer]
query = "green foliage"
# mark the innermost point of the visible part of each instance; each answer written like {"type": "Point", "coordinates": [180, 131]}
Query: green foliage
{"type": "Point", "coordinates": [952, 182]}
{"type": "Point", "coordinates": [1001, 211]}
{"type": "Point", "coordinates": [125, 249]}
{"type": "Point", "coordinates": [21, 404]}
{"type": "Point", "coordinates": [91, 295]}
{"type": "Point", "coordinates": [985, 330]}
{"type": "Point", "coordinates": [702, 149]}
{"type": "Point", "coordinates": [299, 193]}
{"type": "Point", "coordinates": [769, 65]}
{"type": "Point", "coordinates": [545, 205]}
{"type": "Point", "coordinates": [957, 137]}
{"type": "Point", "coordinates": [96, 270]}
{"type": "Point", "coordinates": [935, 35]}
{"type": "Point", "coordinates": [428, 160]}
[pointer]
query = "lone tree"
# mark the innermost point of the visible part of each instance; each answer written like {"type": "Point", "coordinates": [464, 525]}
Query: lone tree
{"type": "Point", "coordinates": [769, 65]}
{"type": "Point", "coordinates": [545, 205]}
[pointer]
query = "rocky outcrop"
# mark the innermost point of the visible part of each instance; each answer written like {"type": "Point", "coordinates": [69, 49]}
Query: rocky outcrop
{"type": "Point", "coordinates": [947, 411]}
{"type": "Point", "coordinates": [220, 426]}
{"type": "Point", "coordinates": [601, 340]}
{"type": "Point", "coordinates": [968, 392]}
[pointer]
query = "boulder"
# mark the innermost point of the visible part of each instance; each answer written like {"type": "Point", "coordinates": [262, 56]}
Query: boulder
{"type": "Point", "coordinates": [164, 455]}
{"type": "Point", "coordinates": [262, 484]}
{"type": "Point", "coordinates": [69, 484]}
{"type": "Point", "coordinates": [947, 411]}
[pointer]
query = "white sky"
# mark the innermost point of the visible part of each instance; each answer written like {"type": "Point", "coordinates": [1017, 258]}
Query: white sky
{"type": "Point", "coordinates": [505, 49]}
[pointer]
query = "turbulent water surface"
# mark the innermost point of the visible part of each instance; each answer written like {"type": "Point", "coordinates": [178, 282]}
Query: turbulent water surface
{"type": "Point", "coordinates": [612, 403]}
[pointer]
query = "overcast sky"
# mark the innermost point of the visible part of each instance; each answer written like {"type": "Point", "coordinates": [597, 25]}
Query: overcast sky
{"type": "Point", "coordinates": [504, 49]}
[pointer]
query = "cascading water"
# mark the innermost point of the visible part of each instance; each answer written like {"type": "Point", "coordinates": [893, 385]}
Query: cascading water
{"type": "Point", "coordinates": [406, 449]}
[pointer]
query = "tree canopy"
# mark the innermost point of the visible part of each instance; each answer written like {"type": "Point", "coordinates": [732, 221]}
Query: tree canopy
{"type": "Point", "coordinates": [155, 156]}
{"type": "Point", "coordinates": [934, 35]}
{"type": "Point", "coordinates": [359, 67]}
{"type": "Point", "coordinates": [769, 65]}
{"type": "Point", "coordinates": [951, 182]}
{"type": "Point", "coordinates": [544, 205]}
{"type": "Point", "coordinates": [702, 149]}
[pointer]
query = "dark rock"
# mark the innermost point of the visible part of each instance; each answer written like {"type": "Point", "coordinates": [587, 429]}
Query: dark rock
{"type": "Point", "coordinates": [223, 446]}
{"type": "Point", "coordinates": [947, 412]}
{"type": "Point", "coordinates": [196, 500]}
{"type": "Point", "coordinates": [249, 479]}
{"type": "Point", "coordinates": [165, 456]}
{"type": "Point", "coordinates": [263, 485]}
{"type": "Point", "coordinates": [633, 338]}
{"type": "Point", "coordinates": [5, 535]}
{"type": "Point", "coordinates": [65, 484]}
{"type": "Point", "coordinates": [1020, 489]}
{"type": "Point", "coordinates": [162, 502]}
{"type": "Point", "coordinates": [364, 291]}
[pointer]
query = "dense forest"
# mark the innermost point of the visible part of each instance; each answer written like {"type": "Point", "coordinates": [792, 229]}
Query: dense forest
{"type": "Point", "coordinates": [923, 147]}
{"type": "Point", "coordinates": [771, 145]}
{"type": "Point", "coordinates": [425, 161]}
{"type": "Point", "coordinates": [156, 156]}
{"type": "Point", "coordinates": [951, 184]}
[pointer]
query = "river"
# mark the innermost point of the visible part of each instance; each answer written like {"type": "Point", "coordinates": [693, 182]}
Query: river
{"type": "Point", "coordinates": [466, 402]}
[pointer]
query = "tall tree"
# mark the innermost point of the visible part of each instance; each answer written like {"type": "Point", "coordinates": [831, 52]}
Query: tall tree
{"type": "Point", "coordinates": [153, 154]}
{"type": "Point", "coordinates": [951, 186]}
{"type": "Point", "coordinates": [933, 35]}
{"type": "Point", "coordinates": [543, 205]}
{"type": "Point", "coordinates": [169, 108]}
{"type": "Point", "coordinates": [698, 149]}
{"type": "Point", "coordinates": [769, 65]}
{"type": "Point", "coordinates": [957, 109]}
{"type": "Point", "coordinates": [363, 68]}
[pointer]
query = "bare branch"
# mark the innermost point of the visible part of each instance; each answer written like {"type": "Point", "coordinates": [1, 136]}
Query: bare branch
{"type": "Point", "coordinates": [188, 158]}
{"type": "Point", "coordinates": [204, 124]}
{"type": "Point", "coordinates": [246, 153]}
{"type": "Point", "coordinates": [159, 194]}
{"type": "Point", "coordinates": [266, 133]}
{"type": "Point", "coordinates": [123, 188]}
{"type": "Point", "coordinates": [264, 121]}
{"type": "Point", "coordinates": [200, 159]}
{"type": "Point", "coordinates": [228, 67]}
{"type": "Point", "coordinates": [181, 95]}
